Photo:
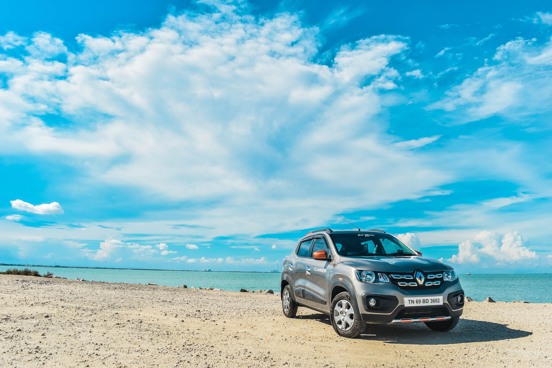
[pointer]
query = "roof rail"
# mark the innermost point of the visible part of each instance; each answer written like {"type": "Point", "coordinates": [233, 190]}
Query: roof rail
{"type": "Point", "coordinates": [326, 230]}
{"type": "Point", "coordinates": [377, 230]}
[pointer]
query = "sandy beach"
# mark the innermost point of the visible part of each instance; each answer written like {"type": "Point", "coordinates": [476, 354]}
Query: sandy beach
{"type": "Point", "coordinates": [68, 323]}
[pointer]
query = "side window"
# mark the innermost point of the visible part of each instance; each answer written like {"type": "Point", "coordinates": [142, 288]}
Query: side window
{"type": "Point", "coordinates": [304, 248]}
{"type": "Point", "coordinates": [320, 244]}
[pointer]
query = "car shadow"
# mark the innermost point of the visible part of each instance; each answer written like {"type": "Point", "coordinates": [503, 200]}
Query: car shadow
{"type": "Point", "coordinates": [466, 331]}
{"type": "Point", "coordinates": [316, 317]}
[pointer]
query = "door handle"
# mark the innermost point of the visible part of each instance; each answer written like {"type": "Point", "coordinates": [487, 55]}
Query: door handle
{"type": "Point", "coordinates": [307, 270]}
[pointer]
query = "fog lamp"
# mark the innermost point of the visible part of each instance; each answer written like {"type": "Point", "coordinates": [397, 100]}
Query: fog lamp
{"type": "Point", "coordinates": [372, 302]}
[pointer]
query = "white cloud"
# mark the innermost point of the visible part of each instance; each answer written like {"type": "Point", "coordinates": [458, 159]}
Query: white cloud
{"type": "Point", "coordinates": [43, 45]}
{"type": "Point", "coordinates": [415, 74]}
{"type": "Point", "coordinates": [544, 18]}
{"type": "Point", "coordinates": [74, 244]}
{"type": "Point", "coordinates": [191, 246]}
{"type": "Point", "coordinates": [227, 111]}
{"type": "Point", "coordinates": [341, 16]}
{"type": "Point", "coordinates": [205, 260]}
{"type": "Point", "coordinates": [516, 85]}
{"type": "Point", "coordinates": [251, 247]}
{"type": "Point", "coordinates": [114, 249]}
{"type": "Point", "coordinates": [164, 249]}
{"type": "Point", "coordinates": [14, 218]}
{"type": "Point", "coordinates": [442, 52]}
{"type": "Point", "coordinates": [53, 208]}
{"type": "Point", "coordinates": [367, 57]}
{"type": "Point", "coordinates": [11, 40]}
{"type": "Point", "coordinates": [411, 240]}
{"type": "Point", "coordinates": [417, 143]}
{"type": "Point", "coordinates": [231, 261]}
{"type": "Point", "coordinates": [492, 248]}
{"type": "Point", "coordinates": [246, 261]}
{"type": "Point", "coordinates": [485, 40]}
{"type": "Point", "coordinates": [106, 249]}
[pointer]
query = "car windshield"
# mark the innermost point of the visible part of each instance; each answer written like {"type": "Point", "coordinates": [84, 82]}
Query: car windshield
{"type": "Point", "coordinates": [370, 244]}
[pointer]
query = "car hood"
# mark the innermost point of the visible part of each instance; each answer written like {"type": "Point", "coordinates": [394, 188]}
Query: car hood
{"type": "Point", "coordinates": [395, 264]}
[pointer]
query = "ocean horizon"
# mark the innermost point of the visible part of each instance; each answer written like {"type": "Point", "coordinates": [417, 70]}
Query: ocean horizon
{"type": "Point", "coordinates": [500, 287]}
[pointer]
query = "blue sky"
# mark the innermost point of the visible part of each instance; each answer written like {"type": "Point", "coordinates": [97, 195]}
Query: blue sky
{"type": "Point", "coordinates": [213, 134]}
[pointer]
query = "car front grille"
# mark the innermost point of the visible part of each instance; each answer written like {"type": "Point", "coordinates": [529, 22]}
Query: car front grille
{"type": "Point", "coordinates": [417, 280]}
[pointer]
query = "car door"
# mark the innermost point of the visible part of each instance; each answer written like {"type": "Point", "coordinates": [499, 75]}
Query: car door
{"type": "Point", "coordinates": [316, 284]}
{"type": "Point", "coordinates": [299, 274]}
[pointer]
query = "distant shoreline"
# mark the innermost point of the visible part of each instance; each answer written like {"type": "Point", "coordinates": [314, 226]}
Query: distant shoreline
{"type": "Point", "coordinates": [210, 270]}
{"type": "Point", "coordinates": [128, 268]}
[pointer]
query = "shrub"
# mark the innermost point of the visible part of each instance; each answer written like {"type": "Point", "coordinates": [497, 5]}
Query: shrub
{"type": "Point", "coordinates": [25, 272]}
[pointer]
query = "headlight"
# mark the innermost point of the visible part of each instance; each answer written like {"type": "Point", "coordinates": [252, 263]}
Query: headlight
{"type": "Point", "coordinates": [370, 276]}
{"type": "Point", "coordinates": [449, 275]}
{"type": "Point", "coordinates": [366, 276]}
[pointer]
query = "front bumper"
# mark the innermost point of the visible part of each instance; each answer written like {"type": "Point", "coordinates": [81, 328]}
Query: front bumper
{"type": "Point", "coordinates": [390, 308]}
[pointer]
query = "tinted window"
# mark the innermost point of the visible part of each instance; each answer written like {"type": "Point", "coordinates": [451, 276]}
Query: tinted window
{"type": "Point", "coordinates": [369, 244]}
{"type": "Point", "coordinates": [320, 244]}
{"type": "Point", "coordinates": [304, 248]}
{"type": "Point", "coordinates": [391, 247]}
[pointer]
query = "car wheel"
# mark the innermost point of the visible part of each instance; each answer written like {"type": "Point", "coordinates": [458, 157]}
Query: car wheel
{"type": "Point", "coordinates": [345, 317]}
{"type": "Point", "coordinates": [289, 306]}
{"type": "Point", "coordinates": [443, 326]}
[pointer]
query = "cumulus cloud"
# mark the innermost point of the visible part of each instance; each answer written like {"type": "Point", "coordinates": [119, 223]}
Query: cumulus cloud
{"type": "Point", "coordinates": [489, 247]}
{"type": "Point", "coordinates": [219, 108]}
{"type": "Point", "coordinates": [164, 249]}
{"type": "Point", "coordinates": [411, 240]}
{"type": "Point", "coordinates": [44, 46]}
{"type": "Point", "coordinates": [53, 208]}
{"type": "Point", "coordinates": [106, 249]}
{"type": "Point", "coordinates": [114, 249]}
{"type": "Point", "coordinates": [11, 40]}
{"type": "Point", "coordinates": [191, 246]}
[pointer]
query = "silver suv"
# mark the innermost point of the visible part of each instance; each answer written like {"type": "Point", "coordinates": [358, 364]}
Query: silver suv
{"type": "Point", "coordinates": [359, 277]}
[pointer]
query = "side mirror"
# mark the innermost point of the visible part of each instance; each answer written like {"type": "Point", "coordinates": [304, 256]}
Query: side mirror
{"type": "Point", "coordinates": [418, 252]}
{"type": "Point", "coordinates": [321, 255]}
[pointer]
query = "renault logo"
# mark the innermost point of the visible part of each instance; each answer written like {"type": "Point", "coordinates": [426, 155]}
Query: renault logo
{"type": "Point", "coordinates": [419, 276]}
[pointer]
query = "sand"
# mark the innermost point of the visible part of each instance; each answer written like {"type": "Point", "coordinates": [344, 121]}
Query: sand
{"type": "Point", "coordinates": [70, 323]}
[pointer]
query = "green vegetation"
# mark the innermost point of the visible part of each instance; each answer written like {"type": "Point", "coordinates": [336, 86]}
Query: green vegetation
{"type": "Point", "coordinates": [25, 272]}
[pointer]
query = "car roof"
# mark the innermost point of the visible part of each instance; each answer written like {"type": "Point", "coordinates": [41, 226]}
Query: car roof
{"type": "Point", "coordinates": [345, 232]}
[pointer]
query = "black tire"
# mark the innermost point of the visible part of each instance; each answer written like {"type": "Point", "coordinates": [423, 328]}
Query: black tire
{"type": "Point", "coordinates": [443, 326]}
{"type": "Point", "coordinates": [345, 317]}
{"type": "Point", "coordinates": [289, 306]}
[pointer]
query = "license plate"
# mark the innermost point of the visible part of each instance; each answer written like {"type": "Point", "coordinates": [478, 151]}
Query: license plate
{"type": "Point", "coordinates": [421, 301]}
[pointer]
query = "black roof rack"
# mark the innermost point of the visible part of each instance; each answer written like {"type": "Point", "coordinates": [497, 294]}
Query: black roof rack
{"type": "Point", "coordinates": [326, 230]}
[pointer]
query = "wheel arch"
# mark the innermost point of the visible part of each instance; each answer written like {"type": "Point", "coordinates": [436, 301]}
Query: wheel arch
{"type": "Point", "coordinates": [339, 286]}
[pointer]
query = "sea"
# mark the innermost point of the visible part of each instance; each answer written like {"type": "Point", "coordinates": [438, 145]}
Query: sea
{"type": "Point", "coordinates": [532, 288]}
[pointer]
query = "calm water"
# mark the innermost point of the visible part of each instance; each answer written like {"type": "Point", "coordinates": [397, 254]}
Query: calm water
{"type": "Point", "coordinates": [535, 288]}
